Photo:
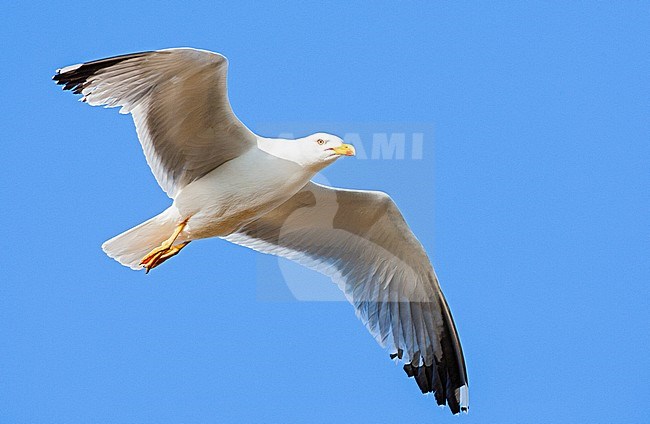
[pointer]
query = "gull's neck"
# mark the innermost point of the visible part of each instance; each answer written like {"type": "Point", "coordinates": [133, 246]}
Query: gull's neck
{"type": "Point", "coordinates": [280, 148]}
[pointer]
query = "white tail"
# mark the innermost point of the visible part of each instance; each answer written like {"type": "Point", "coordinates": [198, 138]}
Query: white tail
{"type": "Point", "coordinates": [132, 245]}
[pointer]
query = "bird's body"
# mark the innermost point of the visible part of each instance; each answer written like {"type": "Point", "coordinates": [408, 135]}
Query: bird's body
{"type": "Point", "coordinates": [228, 182]}
{"type": "Point", "coordinates": [231, 196]}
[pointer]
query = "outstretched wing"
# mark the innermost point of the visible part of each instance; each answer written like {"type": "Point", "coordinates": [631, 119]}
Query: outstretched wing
{"type": "Point", "coordinates": [360, 240]}
{"type": "Point", "coordinates": [179, 102]}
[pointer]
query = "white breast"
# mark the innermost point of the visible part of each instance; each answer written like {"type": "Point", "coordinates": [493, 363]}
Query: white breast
{"type": "Point", "coordinates": [237, 192]}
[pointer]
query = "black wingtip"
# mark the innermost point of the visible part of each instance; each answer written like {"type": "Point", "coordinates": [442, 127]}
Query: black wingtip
{"type": "Point", "coordinates": [446, 377]}
{"type": "Point", "coordinates": [397, 354]}
{"type": "Point", "coordinates": [437, 380]}
{"type": "Point", "coordinates": [76, 78]}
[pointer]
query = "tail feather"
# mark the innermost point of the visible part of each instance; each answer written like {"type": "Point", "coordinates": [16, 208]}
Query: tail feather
{"type": "Point", "coordinates": [132, 245]}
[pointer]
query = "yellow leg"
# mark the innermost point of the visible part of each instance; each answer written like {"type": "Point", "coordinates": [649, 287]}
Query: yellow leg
{"type": "Point", "coordinates": [165, 251]}
{"type": "Point", "coordinates": [173, 251]}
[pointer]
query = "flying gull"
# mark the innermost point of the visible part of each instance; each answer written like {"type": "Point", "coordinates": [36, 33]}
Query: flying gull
{"type": "Point", "coordinates": [225, 181]}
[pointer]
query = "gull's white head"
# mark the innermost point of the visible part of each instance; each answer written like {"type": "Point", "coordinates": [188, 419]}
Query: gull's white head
{"type": "Point", "coordinates": [314, 151]}
{"type": "Point", "coordinates": [325, 148]}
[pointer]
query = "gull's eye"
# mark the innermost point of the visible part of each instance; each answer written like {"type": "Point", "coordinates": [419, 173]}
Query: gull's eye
{"type": "Point", "coordinates": [320, 141]}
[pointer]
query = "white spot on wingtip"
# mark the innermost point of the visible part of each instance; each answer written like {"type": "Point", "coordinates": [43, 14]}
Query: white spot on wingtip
{"type": "Point", "coordinates": [463, 396]}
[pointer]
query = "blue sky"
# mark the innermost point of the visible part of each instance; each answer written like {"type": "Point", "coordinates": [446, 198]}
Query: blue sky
{"type": "Point", "coordinates": [531, 198]}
